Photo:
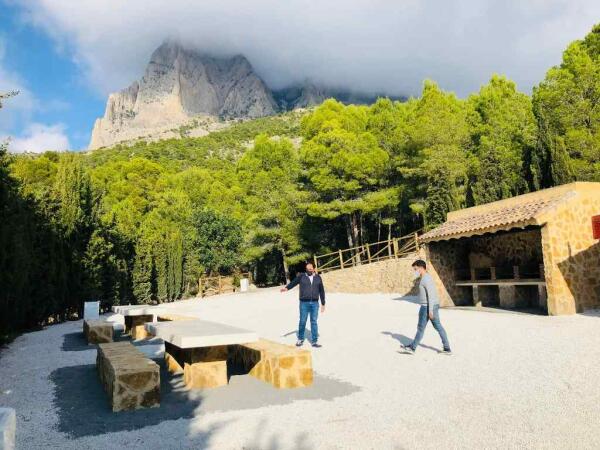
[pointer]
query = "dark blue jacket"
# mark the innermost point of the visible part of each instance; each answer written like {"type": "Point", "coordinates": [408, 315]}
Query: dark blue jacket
{"type": "Point", "coordinates": [309, 292]}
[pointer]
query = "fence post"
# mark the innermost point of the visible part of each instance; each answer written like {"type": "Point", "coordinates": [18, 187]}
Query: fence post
{"type": "Point", "coordinates": [368, 253]}
{"type": "Point", "coordinates": [315, 260]}
{"type": "Point", "coordinates": [395, 244]}
{"type": "Point", "coordinates": [341, 259]}
{"type": "Point", "coordinates": [416, 241]}
{"type": "Point", "coordinates": [219, 279]}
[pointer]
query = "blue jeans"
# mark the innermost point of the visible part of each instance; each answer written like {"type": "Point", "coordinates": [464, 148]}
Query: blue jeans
{"type": "Point", "coordinates": [423, 319]}
{"type": "Point", "coordinates": [307, 308]}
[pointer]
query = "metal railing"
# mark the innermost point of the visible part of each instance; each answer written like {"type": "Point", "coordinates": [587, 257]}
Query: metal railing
{"type": "Point", "coordinates": [367, 253]}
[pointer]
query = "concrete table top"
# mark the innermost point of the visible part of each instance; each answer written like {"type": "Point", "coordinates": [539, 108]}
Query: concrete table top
{"type": "Point", "coordinates": [200, 333]}
{"type": "Point", "coordinates": [137, 310]}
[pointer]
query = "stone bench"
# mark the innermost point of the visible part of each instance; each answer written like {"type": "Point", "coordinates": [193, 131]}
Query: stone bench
{"type": "Point", "coordinates": [8, 427]}
{"type": "Point", "coordinates": [281, 365]}
{"type": "Point", "coordinates": [130, 379]}
{"type": "Point", "coordinates": [97, 331]}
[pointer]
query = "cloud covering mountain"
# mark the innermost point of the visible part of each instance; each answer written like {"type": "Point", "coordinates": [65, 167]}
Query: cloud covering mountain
{"type": "Point", "coordinates": [372, 46]}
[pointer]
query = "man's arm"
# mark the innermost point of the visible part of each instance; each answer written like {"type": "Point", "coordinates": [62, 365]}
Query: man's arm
{"type": "Point", "coordinates": [322, 292]}
{"type": "Point", "coordinates": [427, 287]}
{"type": "Point", "coordinates": [293, 283]}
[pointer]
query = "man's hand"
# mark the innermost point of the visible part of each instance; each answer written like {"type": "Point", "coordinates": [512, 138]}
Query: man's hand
{"type": "Point", "coordinates": [430, 316]}
{"type": "Point", "coordinates": [322, 308]}
{"type": "Point", "coordinates": [283, 289]}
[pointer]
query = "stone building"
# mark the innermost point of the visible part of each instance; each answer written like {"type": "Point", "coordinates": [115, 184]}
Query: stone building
{"type": "Point", "coordinates": [533, 251]}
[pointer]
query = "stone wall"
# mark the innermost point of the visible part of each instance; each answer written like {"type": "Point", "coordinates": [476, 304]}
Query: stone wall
{"type": "Point", "coordinates": [444, 260]}
{"type": "Point", "coordinates": [572, 255]}
{"type": "Point", "coordinates": [520, 247]}
{"type": "Point", "coordinates": [389, 276]}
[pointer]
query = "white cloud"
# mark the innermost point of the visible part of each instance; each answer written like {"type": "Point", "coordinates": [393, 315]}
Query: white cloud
{"type": "Point", "coordinates": [374, 45]}
{"type": "Point", "coordinates": [17, 108]}
{"type": "Point", "coordinates": [38, 138]}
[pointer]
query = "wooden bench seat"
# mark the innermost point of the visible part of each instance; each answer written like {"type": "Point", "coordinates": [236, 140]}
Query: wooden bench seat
{"type": "Point", "coordinates": [281, 365]}
{"type": "Point", "coordinates": [97, 331]}
{"type": "Point", "coordinates": [130, 379]}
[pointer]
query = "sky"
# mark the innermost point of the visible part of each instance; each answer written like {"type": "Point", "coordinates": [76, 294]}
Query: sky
{"type": "Point", "coordinates": [66, 56]}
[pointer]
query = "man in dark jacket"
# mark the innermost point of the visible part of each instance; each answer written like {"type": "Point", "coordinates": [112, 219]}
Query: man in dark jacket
{"type": "Point", "coordinates": [311, 289]}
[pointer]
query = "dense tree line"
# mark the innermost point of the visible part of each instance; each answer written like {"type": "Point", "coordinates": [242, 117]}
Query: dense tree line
{"type": "Point", "coordinates": [142, 223]}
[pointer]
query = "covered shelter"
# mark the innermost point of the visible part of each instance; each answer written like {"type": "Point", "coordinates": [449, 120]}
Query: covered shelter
{"type": "Point", "coordinates": [535, 251]}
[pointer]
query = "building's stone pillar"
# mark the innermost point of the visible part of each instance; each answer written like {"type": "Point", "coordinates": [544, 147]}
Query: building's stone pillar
{"type": "Point", "coordinates": [542, 297]}
{"type": "Point", "coordinates": [507, 296]}
{"type": "Point", "coordinates": [560, 300]}
{"type": "Point", "coordinates": [476, 297]}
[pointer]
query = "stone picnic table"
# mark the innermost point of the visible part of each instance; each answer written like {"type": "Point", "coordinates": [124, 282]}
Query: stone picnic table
{"type": "Point", "coordinates": [199, 349]}
{"type": "Point", "coordinates": [136, 316]}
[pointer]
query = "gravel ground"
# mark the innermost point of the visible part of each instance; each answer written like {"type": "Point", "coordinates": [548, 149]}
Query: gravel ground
{"type": "Point", "coordinates": [514, 381]}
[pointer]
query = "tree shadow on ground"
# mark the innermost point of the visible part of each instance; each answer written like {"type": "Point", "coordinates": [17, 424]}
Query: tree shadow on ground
{"type": "Point", "coordinates": [83, 408]}
{"type": "Point", "coordinates": [263, 441]}
{"type": "Point", "coordinates": [405, 340]}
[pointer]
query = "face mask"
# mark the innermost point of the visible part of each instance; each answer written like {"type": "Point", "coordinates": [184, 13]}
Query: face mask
{"type": "Point", "coordinates": [417, 274]}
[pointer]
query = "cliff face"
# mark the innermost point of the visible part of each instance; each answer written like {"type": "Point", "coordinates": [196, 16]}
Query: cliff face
{"type": "Point", "coordinates": [185, 87]}
{"type": "Point", "coordinates": [179, 85]}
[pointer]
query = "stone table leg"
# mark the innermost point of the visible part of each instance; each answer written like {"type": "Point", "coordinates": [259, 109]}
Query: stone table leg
{"type": "Point", "coordinates": [134, 325]}
{"type": "Point", "coordinates": [476, 297]}
{"type": "Point", "coordinates": [204, 367]}
{"type": "Point", "coordinates": [508, 296]}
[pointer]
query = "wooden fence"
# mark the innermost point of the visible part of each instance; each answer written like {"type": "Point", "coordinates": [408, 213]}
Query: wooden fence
{"type": "Point", "coordinates": [208, 286]}
{"type": "Point", "coordinates": [368, 253]}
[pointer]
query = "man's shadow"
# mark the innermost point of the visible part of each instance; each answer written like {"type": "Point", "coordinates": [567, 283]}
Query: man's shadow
{"type": "Point", "coordinates": [405, 340]}
{"type": "Point", "coordinates": [307, 334]}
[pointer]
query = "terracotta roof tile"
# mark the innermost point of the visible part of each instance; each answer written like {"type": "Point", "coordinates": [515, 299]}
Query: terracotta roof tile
{"type": "Point", "coordinates": [521, 214]}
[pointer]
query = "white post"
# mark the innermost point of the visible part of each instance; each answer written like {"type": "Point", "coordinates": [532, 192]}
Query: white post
{"type": "Point", "coordinates": [91, 310]}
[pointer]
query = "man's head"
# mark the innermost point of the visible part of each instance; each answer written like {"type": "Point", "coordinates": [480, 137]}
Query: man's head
{"type": "Point", "coordinates": [310, 269]}
{"type": "Point", "coordinates": [420, 267]}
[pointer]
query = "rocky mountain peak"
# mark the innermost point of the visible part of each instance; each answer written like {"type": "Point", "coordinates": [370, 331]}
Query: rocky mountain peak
{"type": "Point", "coordinates": [180, 84]}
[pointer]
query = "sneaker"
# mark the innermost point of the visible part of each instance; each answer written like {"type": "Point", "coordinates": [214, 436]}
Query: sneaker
{"type": "Point", "coordinates": [300, 343]}
{"type": "Point", "coordinates": [408, 349]}
{"type": "Point", "coordinates": [446, 352]}
{"type": "Point", "coordinates": [316, 345]}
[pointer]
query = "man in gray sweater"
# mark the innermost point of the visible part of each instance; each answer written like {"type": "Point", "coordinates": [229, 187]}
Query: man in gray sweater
{"type": "Point", "coordinates": [430, 308]}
